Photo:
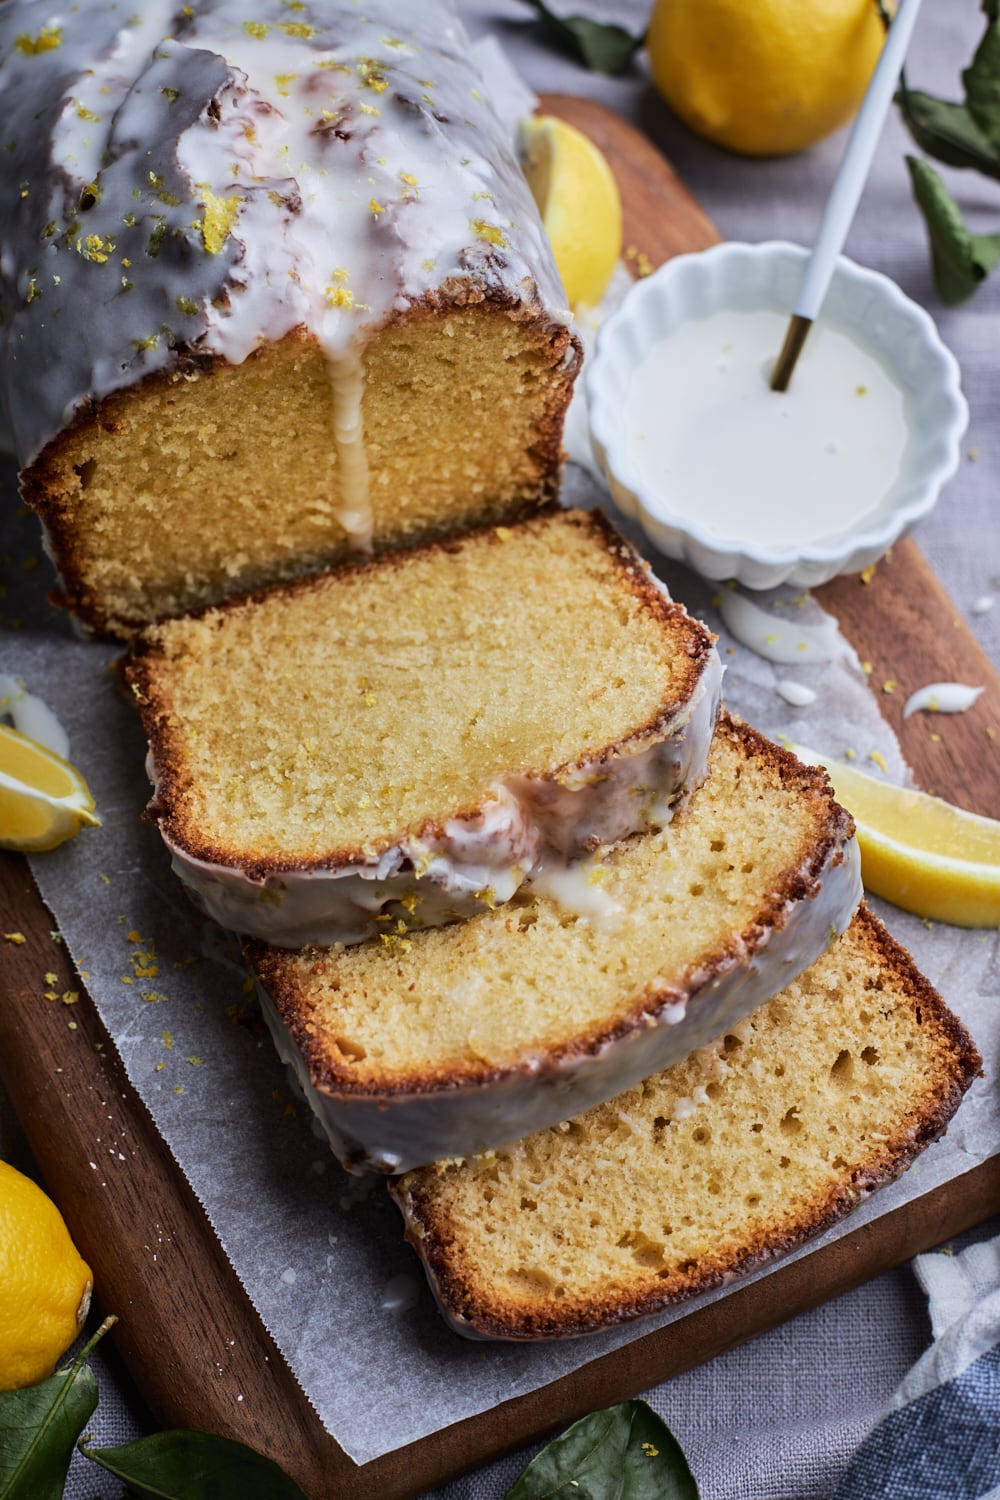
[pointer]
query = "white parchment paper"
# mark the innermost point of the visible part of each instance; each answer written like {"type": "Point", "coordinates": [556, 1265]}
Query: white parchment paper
{"type": "Point", "coordinates": [321, 1254]}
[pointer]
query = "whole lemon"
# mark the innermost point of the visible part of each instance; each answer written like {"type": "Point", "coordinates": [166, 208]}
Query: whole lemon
{"type": "Point", "coordinates": [764, 77]}
{"type": "Point", "coordinates": [45, 1287]}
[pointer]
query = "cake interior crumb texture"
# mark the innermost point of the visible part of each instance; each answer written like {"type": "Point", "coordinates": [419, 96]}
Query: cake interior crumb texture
{"type": "Point", "coordinates": [340, 712]}
{"type": "Point", "coordinates": [530, 978]}
{"type": "Point", "coordinates": [737, 1154]}
{"type": "Point", "coordinates": [194, 485]}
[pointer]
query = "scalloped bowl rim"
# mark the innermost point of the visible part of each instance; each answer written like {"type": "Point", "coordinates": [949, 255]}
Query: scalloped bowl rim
{"type": "Point", "coordinates": [614, 458]}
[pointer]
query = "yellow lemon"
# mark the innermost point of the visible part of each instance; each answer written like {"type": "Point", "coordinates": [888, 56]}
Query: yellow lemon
{"type": "Point", "coordinates": [920, 852]}
{"type": "Point", "coordinates": [45, 1287]}
{"type": "Point", "coordinates": [43, 799]}
{"type": "Point", "coordinates": [764, 77]}
{"type": "Point", "coordinates": [578, 200]}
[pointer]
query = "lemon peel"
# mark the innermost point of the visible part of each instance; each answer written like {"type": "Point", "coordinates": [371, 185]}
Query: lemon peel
{"type": "Point", "coordinates": [918, 851]}
{"type": "Point", "coordinates": [764, 78]}
{"type": "Point", "coordinates": [43, 799]}
{"type": "Point", "coordinates": [45, 1285]}
{"type": "Point", "coordinates": [578, 199]}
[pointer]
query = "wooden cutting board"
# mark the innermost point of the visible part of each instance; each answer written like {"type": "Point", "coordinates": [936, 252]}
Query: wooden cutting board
{"type": "Point", "coordinates": [187, 1331]}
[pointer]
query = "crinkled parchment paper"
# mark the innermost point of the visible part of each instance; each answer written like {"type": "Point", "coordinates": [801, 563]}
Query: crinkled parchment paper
{"type": "Point", "coordinates": [322, 1254]}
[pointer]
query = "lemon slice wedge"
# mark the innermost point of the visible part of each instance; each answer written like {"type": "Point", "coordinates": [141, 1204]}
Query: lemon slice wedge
{"type": "Point", "coordinates": [918, 851]}
{"type": "Point", "coordinates": [577, 197]}
{"type": "Point", "coordinates": [43, 799]}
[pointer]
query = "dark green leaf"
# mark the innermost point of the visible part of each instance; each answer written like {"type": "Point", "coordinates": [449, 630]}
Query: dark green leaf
{"type": "Point", "coordinates": [195, 1466]}
{"type": "Point", "coordinates": [605, 49]}
{"type": "Point", "coordinates": [961, 260]}
{"type": "Point", "coordinates": [982, 79]}
{"type": "Point", "coordinates": [623, 1453]}
{"type": "Point", "coordinates": [38, 1427]}
{"type": "Point", "coordinates": [947, 131]}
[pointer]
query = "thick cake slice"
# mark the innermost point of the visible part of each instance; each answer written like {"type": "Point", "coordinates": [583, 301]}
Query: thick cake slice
{"type": "Point", "coordinates": [723, 1162]}
{"type": "Point", "coordinates": [400, 743]}
{"type": "Point", "coordinates": [273, 290]}
{"type": "Point", "coordinates": [441, 1043]}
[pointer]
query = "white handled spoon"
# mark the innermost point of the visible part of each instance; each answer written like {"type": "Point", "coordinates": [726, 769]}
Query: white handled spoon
{"type": "Point", "coordinates": [847, 189]}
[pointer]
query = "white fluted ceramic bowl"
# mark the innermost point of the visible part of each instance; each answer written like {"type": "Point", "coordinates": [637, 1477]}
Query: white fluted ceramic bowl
{"type": "Point", "coordinates": [746, 278]}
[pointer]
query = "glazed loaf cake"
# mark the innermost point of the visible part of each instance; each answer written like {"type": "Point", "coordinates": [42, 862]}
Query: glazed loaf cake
{"type": "Point", "coordinates": [440, 1043]}
{"type": "Point", "coordinates": [400, 743]}
{"type": "Point", "coordinates": [273, 289]}
{"type": "Point", "coordinates": [760, 1140]}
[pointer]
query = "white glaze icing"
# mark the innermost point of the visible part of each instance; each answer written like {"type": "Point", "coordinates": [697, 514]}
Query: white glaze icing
{"type": "Point", "coordinates": [712, 443]}
{"type": "Point", "coordinates": [778, 638]}
{"type": "Point", "coordinates": [795, 693]}
{"type": "Point", "coordinates": [200, 180]}
{"type": "Point", "coordinates": [400, 1294]}
{"type": "Point", "coordinates": [942, 698]}
{"type": "Point", "coordinates": [392, 1132]}
{"type": "Point", "coordinates": [575, 885]}
{"type": "Point", "coordinates": [442, 875]}
{"type": "Point", "coordinates": [32, 716]}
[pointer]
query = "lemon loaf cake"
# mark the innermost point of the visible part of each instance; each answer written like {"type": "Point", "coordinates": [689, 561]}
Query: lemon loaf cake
{"type": "Point", "coordinates": [400, 742]}
{"type": "Point", "coordinates": [273, 289]}
{"type": "Point", "coordinates": [441, 1043]}
{"type": "Point", "coordinates": [755, 1143]}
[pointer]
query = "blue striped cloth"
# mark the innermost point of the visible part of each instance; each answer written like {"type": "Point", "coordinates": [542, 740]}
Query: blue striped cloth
{"type": "Point", "coordinates": [940, 1437]}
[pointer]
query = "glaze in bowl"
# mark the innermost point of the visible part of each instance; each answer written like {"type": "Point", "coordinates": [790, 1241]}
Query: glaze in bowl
{"type": "Point", "coordinates": [745, 278]}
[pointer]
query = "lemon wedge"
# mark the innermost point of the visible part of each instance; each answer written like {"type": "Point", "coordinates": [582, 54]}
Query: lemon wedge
{"type": "Point", "coordinates": [578, 200]}
{"type": "Point", "coordinates": [43, 799]}
{"type": "Point", "coordinates": [920, 852]}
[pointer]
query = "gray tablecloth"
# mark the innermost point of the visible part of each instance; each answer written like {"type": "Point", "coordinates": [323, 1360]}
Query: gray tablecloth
{"type": "Point", "coordinates": [778, 1419]}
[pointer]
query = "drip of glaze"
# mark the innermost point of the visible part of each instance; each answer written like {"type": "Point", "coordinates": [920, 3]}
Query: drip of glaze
{"type": "Point", "coordinates": [795, 693]}
{"type": "Point", "coordinates": [32, 716]}
{"type": "Point", "coordinates": [400, 1294]}
{"type": "Point", "coordinates": [942, 698]}
{"type": "Point", "coordinates": [571, 884]}
{"type": "Point", "coordinates": [347, 385]}
{"type": "Point", "coordinates": [779, 639]}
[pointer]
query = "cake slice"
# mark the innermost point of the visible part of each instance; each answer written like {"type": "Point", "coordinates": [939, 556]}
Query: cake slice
{"type": "Point", "coordinates": [403, 741]}
{"type": "Point", "coordinates": [441, 1043]}
{"type": "Point", "coordinates": [760, 1140]}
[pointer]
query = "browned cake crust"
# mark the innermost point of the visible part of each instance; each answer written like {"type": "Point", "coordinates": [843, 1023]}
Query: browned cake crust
{"type": "Point", "coordinates": [518, 1256]}
{"type": "Point", "coordinates": [147, 672]}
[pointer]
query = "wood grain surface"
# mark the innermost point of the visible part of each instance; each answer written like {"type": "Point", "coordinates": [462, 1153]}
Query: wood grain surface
{"type": "Point", "coordinates": [187, 1331]}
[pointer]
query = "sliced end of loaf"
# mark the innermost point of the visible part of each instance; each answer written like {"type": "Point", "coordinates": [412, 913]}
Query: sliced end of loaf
{"type": "Point", "coordinates": [735, 1156]}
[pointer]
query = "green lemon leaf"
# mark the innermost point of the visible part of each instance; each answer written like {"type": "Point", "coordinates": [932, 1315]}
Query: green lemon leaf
{"type": "Point", "coordinates": [604, 48]}
{"type": "Point", "coordinates": [947, 131]}
{"type": "Point", "coordinates": [982, 79]}
{"type": "Point", "coordinates": [623, 1453]}
{"type": "Point", "coordinates": [38, 1427]}
{"type": "Point", "coordinates": [961, 260]}
{"type": "Point", "coordinates": [195, 1466]}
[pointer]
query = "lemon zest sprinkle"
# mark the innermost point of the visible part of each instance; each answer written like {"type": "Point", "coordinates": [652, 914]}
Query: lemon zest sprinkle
{"type": "Point", "coordinates": [47, 40]}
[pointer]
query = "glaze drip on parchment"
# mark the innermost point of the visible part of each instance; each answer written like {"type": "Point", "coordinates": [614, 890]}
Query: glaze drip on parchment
{"type": "Point", "coordinates": [203, 179]}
